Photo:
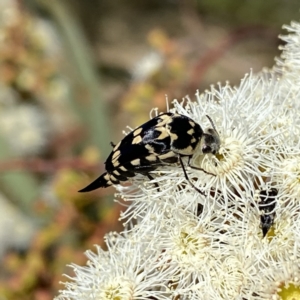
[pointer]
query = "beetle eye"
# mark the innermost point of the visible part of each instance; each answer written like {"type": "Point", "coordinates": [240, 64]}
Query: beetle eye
{"type": "Point", "coordinates": [206, 149]}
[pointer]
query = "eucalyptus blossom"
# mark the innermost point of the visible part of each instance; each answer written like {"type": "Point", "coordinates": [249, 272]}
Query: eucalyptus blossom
{"type": "Point", "coordinates": [240, 238]}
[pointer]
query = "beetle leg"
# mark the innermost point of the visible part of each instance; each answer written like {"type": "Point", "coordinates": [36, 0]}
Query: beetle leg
{"type": "Point", "coordinates": [187, 178]}
{"type": "Point", "coordinates": [151, 178]}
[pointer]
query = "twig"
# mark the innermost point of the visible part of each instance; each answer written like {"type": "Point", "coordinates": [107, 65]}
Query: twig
{"type": "Point", "coordinates": [47, 166]}
{"type": "Point", "coordinates": [212, 55]}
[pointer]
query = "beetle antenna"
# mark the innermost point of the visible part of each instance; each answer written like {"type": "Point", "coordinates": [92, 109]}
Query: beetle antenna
{"type": "Point", "coordinates": [212, 124]}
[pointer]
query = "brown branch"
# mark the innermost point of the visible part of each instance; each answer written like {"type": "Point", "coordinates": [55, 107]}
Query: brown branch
{"type": "Point", "coordinates": [212, 55]}
{"type": "Point", "coordinates": [47, 166]}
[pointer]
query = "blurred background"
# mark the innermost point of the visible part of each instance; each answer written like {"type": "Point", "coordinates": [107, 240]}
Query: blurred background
{"type": "Point", "coordinates": [73, 75]}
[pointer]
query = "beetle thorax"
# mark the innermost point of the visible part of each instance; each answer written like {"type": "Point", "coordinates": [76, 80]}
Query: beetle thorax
{"type": "Point", "coordinates": [185, 135]}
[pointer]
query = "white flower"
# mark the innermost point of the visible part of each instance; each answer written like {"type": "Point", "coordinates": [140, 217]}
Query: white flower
{"type": "Point", "coordinates": [277, 281]}
{"type": "Point", "coordinates": [147, 66]}
{"type": "Point", "coordinates": [25, 128]}
{"type": "Point", "coordinates": [125, 271]}
{"type": "Point", "coordinates": [9, 13]}
{"type": "Point", "coordinates": [243, 118]}
{"type": "Point", "coordinates": [289, 63]}
{"type": "Point", "coordinates": [16, 230]}
{"type": "Point", "coordinates": [195, 250]}
{"type": "Point", "coordinates": [241, 239]}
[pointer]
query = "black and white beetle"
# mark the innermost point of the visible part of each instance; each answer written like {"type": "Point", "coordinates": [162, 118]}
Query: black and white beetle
{"type": "Point", "coordinates": [162, 140]}
{"type": "Point", "coordinates": [267, 206]}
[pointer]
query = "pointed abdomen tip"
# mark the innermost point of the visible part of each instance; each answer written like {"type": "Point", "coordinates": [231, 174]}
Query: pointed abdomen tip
{"type": "Point", "coordinates": [100, 182]}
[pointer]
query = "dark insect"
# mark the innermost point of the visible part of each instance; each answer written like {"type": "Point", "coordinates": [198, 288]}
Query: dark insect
{"type": "Point", "coordinates": [162, 140]}
{"type": "Point", "coordinates": [267, 205]}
